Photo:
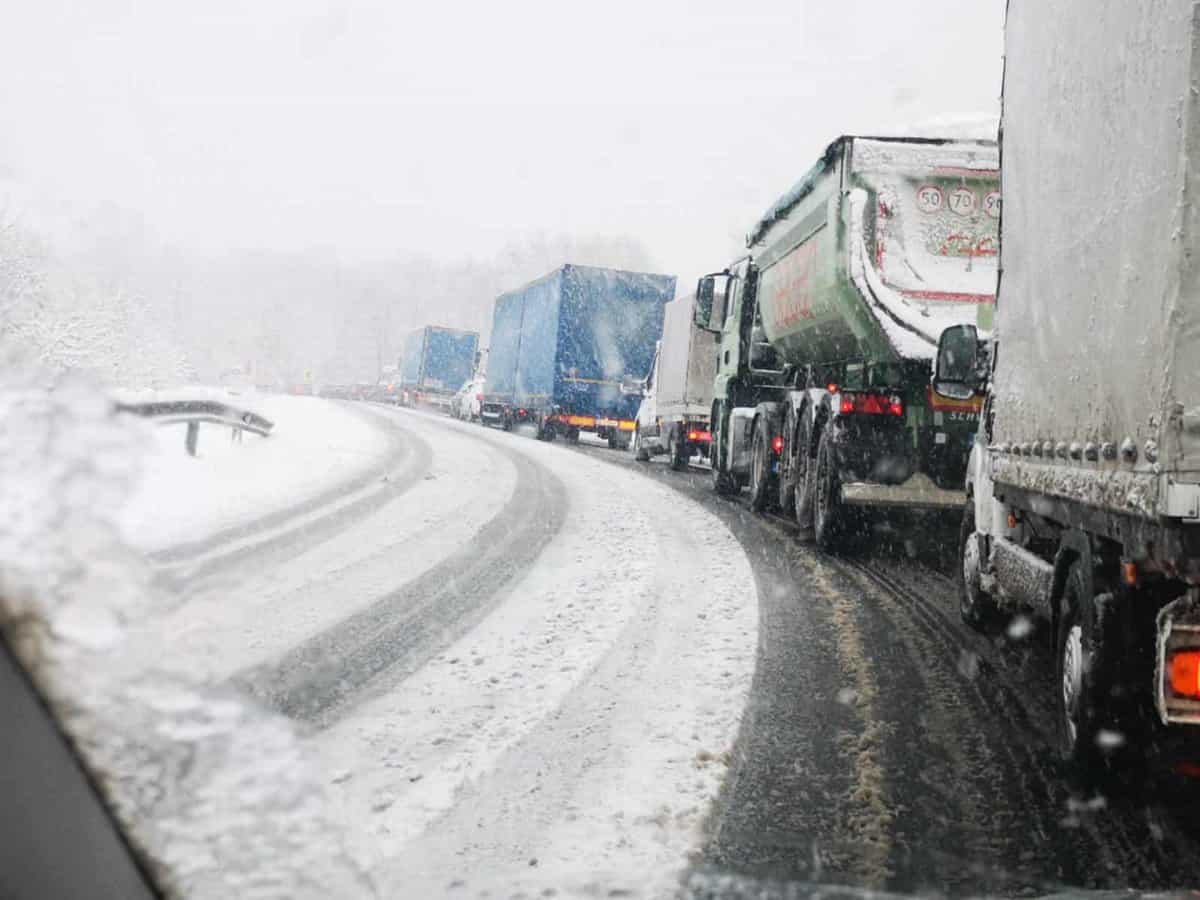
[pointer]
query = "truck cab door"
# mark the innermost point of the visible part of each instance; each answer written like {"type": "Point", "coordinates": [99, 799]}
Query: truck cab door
{"type": "Point", "coordinates": [731, 333]}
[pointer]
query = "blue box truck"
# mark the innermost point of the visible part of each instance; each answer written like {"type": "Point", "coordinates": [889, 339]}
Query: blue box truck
{"type": "Point", "coordinates": [569, 351]}
{"type": "Point", "coordinates": [436, 363]}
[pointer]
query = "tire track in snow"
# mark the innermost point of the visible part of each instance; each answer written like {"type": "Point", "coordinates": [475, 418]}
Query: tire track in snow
{"type": "Point", "coordinates": [586, 722]}
{"type": "Point", "coordinates": [1012, 764]}
{"type": "Point", "coordinates": [254, 614]}
{"type": "Point", "coordinates": [317, 680]}
{"type": "Point", "coordinates": [287, 533]}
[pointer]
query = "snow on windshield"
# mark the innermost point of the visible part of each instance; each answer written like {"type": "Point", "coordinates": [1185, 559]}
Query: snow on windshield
{"type": "Point", "coordinates": [215, 794]}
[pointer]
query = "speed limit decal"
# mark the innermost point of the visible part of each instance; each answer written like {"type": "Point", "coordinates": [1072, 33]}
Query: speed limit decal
{"type": "Point", "coordinates": [991, 204]}
{"type": "Point", "coordinates": [929, 199]}
{"type": "Point", "coordinates": [962, 201]}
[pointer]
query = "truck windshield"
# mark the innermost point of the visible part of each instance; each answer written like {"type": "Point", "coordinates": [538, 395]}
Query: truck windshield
{"type": "Point", "coordinates": [937, 238]}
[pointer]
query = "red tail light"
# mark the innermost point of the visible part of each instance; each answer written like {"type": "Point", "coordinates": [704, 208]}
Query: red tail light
{"type": "Point", "coordinates": [479, 397]}
{"type": "Point", "coordinates": [702, 437]}
{"type": "Point", "coordinates": [1184, 673]}
{"type": "Point", "coordinates": [520, 412]}
{"type": "Point", "coordinates": [871, 404]}
{"type": "Point", "coordinates": [777, 443]}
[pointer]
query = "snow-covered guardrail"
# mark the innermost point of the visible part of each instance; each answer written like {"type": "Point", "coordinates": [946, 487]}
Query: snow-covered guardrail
{"type": "Point", "coordinates": [193, 412]}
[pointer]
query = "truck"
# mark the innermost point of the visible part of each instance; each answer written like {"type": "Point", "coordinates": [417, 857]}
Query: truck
{"type": "Point", "coordinates": [436, 363]}
{"type": "Point", "coordinates": [822, 402]}
{"type": "Point", "coordinates": [1083, 507]}
{"type": "Point", "coordinates": [673, 415]}
{"type": "Point", "coordinates": [568, 351]}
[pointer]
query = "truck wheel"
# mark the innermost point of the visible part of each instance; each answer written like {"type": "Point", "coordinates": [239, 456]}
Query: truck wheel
{"type": "Point", "coordinates": [724, 485]}
{"type": "Point", "coordinates": [639, 450]}
{"type": "Point", "coordinates": [572, 435]}
{"type": "Point", "coordinates": [977, 608]}
{"type": "Point", "coordinates": [802, 473]}
{"type": "Point", "coordinates": [828, 512]}
{"type": "Point", "coordinates": [759, 472]}
{"type": "Point", "coordinates": [677, 451]}
{"type": "Point", "coordinates": [1078, 716]}
{"type": "Point", "coordinates": [787, 467]}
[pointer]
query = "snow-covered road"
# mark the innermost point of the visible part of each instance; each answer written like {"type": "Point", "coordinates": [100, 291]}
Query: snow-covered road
{"type": "Point", "coordinates": [515, 666]}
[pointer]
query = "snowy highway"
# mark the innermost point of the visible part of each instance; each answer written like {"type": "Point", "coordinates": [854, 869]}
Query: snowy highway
{"type": "Point", "coordinates": [512, 662]}
{"type": "Point", "coordinates": [506, 659]}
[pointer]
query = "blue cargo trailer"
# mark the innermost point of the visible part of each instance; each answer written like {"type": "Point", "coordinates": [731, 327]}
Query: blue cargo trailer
{"type": "Point", "coordinates": [436, 363]}
{"type": "Point", "coordinates": [569, 350]}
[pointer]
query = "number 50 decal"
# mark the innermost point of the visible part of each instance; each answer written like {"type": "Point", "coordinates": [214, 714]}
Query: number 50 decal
{"type": "Point", "coordinates": [929, 199]}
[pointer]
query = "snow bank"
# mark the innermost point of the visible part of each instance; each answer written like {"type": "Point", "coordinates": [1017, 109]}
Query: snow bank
{"type": "Point", "coordinates": [314, 446]}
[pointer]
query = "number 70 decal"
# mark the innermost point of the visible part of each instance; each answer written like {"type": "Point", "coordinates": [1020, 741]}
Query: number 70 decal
{"type": "Point", "coordinates": [961, 200]}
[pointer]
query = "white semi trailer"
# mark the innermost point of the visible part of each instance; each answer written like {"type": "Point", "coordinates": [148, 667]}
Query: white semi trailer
{"type": "Point", "coordinates": [1084, 482]}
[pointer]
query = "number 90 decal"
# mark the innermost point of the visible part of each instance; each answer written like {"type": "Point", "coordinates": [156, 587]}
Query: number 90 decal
{"type": "Point", "coordinates": [929, 199]}
{"type": "Point", "coordinates": [991, 204]}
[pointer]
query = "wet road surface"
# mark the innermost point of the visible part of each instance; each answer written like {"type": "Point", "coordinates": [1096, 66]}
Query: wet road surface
{"type": "Point", "coordinates": [888, 746]}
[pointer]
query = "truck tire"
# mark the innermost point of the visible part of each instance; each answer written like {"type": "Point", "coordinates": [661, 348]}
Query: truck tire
{"type": "Point", "coordinates": [677, 450]}
{"type": "Point", "coordinates": [760, 472]}
{"type": "Point", "coordinates": [616, 442]}
{"type": "Point", "coordinates": [802, 473]}
{"type": "Point", "coordinates": [787, 466]}
{"type": "Point", "coordinates": [572, 435]}
{"type": "Point", "coordinates": [724, 484]}
{"type": "Point", "coordinates": [828, 513]}
{"type": "Point", "coordinates": [977, 608]}
{"type": "Point", "coordinates": [1076, 673]}
{"type": "Point", "coordinates": [639, 450]}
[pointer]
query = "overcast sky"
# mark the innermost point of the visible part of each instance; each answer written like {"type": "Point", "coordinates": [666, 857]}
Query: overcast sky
{"type": "Point", "coordinates": [453, 128]}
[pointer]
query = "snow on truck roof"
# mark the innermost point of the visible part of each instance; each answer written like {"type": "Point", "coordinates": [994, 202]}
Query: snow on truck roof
{"type": "Point", "coordinates": [889, 145]}
{"type": "Point", "coordinates": [609, 272]}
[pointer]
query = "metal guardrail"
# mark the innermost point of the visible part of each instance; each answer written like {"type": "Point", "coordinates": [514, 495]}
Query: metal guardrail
{"type": "Point", "coordinates": [193, 412]}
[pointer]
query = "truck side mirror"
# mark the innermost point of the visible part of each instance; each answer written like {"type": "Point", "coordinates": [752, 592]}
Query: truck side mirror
{"type": "Point", "coordinates": [957, 372]}
{"type": "Point", "coordinates": [710, 299]}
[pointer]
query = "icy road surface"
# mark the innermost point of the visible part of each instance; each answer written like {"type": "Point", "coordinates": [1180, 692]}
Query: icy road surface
{"type": "Point", "coordinates": [515, 666]}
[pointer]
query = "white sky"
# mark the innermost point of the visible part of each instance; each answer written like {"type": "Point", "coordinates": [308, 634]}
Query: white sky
{"type": "Point", "coordinates": [452, 128]}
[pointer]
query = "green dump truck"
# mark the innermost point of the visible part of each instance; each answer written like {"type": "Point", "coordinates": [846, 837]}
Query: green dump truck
{"type": "Point", "coordinates": [823, 404]}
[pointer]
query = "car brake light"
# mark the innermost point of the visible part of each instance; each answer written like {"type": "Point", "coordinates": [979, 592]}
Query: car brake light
{"type": "Point", "coordinates": [1184, 673]}
{"type": "Point", "coordinates": [479, 397]}
{"type": "Point", "coordinates": [777, 444]}
{"type": "Point", "coordinates": [520, 412]}
{"type": "Point", "coordinates": [871, 405]}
